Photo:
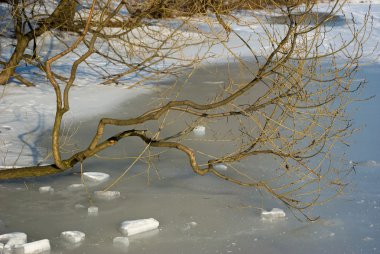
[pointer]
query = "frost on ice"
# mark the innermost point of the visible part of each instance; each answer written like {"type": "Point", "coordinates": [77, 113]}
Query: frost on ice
{"type": "Point", "coordinates": [37, 247]}
{"type": "Point", "coordinates": [46, 189]}
{"type": "Point", "coordinates": [107, 195]}
{"type": "Point", "coordinates": [73, 237]}
{"type": "Point", "coordinates": [133, 227]}
{"type": "Point", "coordinates": [11, 240]}
{"type": "Point", "coordinates": [199, 130]}
{"type": "Point", "coordinates": [275, 213]}
{"type": "Point", "coordinates": [95, 177]}
{"type": "Point", "coordinates": [121, 242]}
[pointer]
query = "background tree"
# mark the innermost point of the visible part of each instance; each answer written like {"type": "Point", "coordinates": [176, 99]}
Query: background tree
{"type": "Point", "coordinates": [292, 109]}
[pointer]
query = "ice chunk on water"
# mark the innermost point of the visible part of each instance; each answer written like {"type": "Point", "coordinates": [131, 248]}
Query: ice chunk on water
{"type": "Point", "coordinates": [79, 206]}
{"type": "Point", "coordinates": [95, 177]}
{"type": "Point", "coordinates": [121, 242]}
{"type": "Point", "coordinates": [133, 227]}
{"type": "Point", "coordinates": [12, 239]}
{"type": "Point", "coordinates": [107, 195]}
{"type": "Point", "coordinates": [1, 247]}
{"type": "Point", "coordinates": [199, 130]}
{"type": "Point", "coordinates": [220, 166]}
{"type": "Point", "coordinates": [92, 210]}
{"type": "Point", "coordinates": [76, 187]}
{"type": "Point", "coordinates": [46, 189]}
{"type": "Point", "coordinates": [73, 236]}
{"type": "Point", "coordinates": [275, 213]}
{"type": "Point", "coordinates": [189, 226]}
{"type": "Point", "coordinates": [37, 247]}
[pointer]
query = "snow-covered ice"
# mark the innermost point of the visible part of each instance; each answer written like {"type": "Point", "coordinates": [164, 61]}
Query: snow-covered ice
{"type": "Point", "coordinates": [275, 213]}
{"type": "Point", "coordinates": [92, 210]}
{"type": "Point", "coordinates": [95, 177]}
{"type": "Point", "coordinates": [199, 130]}
{"type": "Point", "coordinates": [46, 189]}
{"type": "Point", "coordinates": [121, 242]}
{"type": "Point", "coordinates": [107, 195]}
{"type": "Point", "coordinates": [79, 206]}
{"type": "Point", "coordinates": [37, 247]}
{"type": "Point", "coordinates": [10, 240]}
{"type": "Point", "coordinates": [133, 227]}
{"type": "Point", "coordinates": [73, 237]}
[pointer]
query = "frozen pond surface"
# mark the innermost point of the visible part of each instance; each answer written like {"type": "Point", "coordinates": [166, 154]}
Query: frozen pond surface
{"type": "Point", "coordinates": [199, 214]}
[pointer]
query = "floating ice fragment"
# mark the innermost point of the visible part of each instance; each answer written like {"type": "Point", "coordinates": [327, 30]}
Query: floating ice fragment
{"type": "Point", "coordinates": [107, 195]}
{"type": "Point", "coordinates": [199, 130]}
{"type": "Point", "coordinates": [221, 167]}
{"type": "Point", "coordinates": [46, 189]}
{"type": "Point", "coordinates": [92, 210]}
{"type": "Point", "coordinates": [37, 247]}
{"type": "Point", "coordinates": [189, 225]}
{"type": "Point", "coordinates": [121, 242]}
{"type": "Point", "coordinates": [75, 187]}
{"type": "Point", "coordinates": [11, 240]}
{"type": "Point", "coordinates": [73, 236]}
{"type": "Point", "coordinates": [275, 213]}
{"type": "Point", "coordinates": [95, 177]}
{"type": "Point", "coordinates": [367, 239]}
{"type": "Point", "coordinates": [133, 227]}
{"type": "Point", "coordinates": [79, 206]}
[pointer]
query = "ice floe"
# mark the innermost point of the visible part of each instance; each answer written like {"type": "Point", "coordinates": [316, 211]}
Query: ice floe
{"type": "Point", "coordinates": [275, 213]}
{"type": "Point", "coordinates": [221, 167]}
{"type": "Point", "coordinates": [37, 247]}
{"type": "Point", "coordinates": [189, 226]}
{"type": "Point", "coordinates": [10, 240]}
{"type": "Point", "coordinates": [76, 187]}
{"type": "Point", "coordinates": [121, 242]}
{"type": "Point", "coordinates": [73, 237]}
{"type": "Point", "coordinates": [46, 189]}
{"type": "Point", "coordinates": [107, 195]}
{"type": "Point", "coordinates": [133, 227]}
{"type": "Point", "coordinates": [92, 210]}
{"type": "Point", "coordinates": [95, 177]}
{"type": "Point", "coordinates": [199, 130]}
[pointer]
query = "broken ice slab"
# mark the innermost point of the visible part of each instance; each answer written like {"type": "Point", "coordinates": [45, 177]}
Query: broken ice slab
{"type": "Point", "coordinates": [95, 177]}
{"type": "Point", "coordinates": [133, 227]}
{"type": "Point", "coordinates": [107, 195]}
{"type": "Point", "coordinates": [275, 213]}
{"type": "Point", "coordinates": [92, 211]}
{"type": "Point", "coordinates": [73, 237]}
{"type": "Point", "coordinates": [37, 247]}
{"type": "Point", "coordinates": [76, 187]}
{"type": "Point", "coordinates": [199, 130]}
{"type": "Point", "coordinates": [121, 242]}
{"type": "Point", "coordinates": [12, 239]}
{"type": "Point", "coordinates": [1, 247]}
{"type": "Point", "coordinates": [46, 189]}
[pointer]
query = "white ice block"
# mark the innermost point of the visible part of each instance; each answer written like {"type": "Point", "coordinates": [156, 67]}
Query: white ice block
{"type": "Point", "coordinates": [133, 227]}
{"type": "Point", "coordinates": [95, 177]}
{"type": "Point", "coordinates": [275, 213]}
{"type": "Point", "coordinates": [121, 242]}
{"type": "Point", "coordinates": [199, 130]}
{"type": "Point", "coordinates": [46, 189]}
{"type": "Point", "coordinates": [75, 187]}
{"type": "Point", "coordinates": [220, 167]}
{"type": "Point", "coordinates": [41, 246]}
{"type": "Point", "coordinates": [73, 237]}
{"type": "Point", "coordinates": [92, 210]}
{"type": "Point", "coordinates": [12, 239]}
{"type": "Point", "coordinates": [107, 195]}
